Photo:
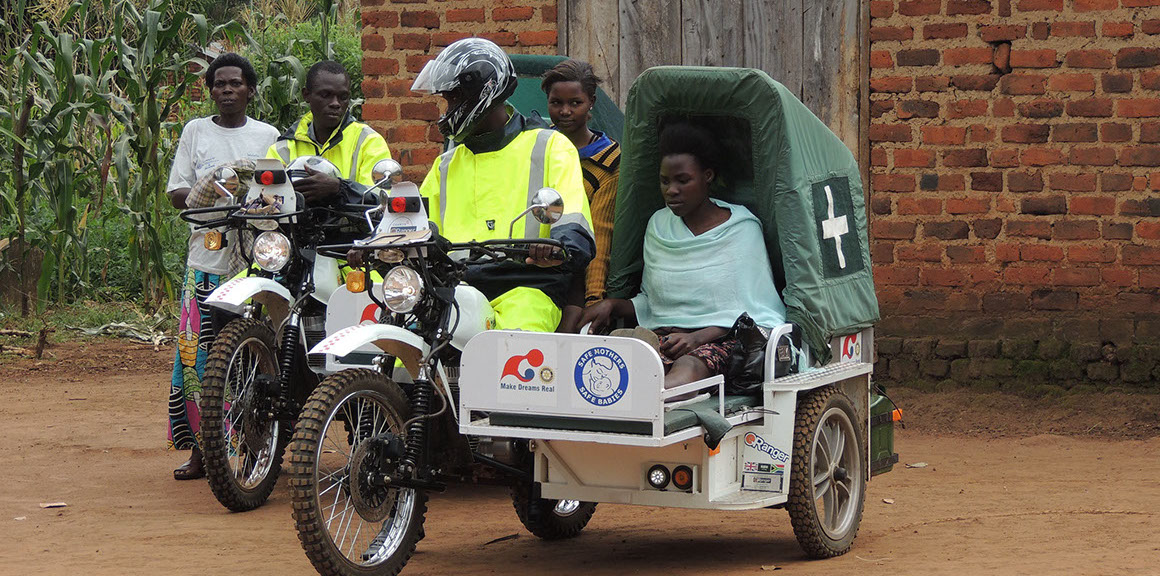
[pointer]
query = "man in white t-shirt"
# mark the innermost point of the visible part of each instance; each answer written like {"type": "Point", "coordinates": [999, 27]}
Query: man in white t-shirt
{"type": "Point", "coordinates": [205, 144]}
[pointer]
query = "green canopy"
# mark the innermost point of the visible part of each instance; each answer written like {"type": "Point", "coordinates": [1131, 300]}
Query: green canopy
{"type": "Point", "coordinates": [528, 97]}
{"type": "Point", "coordinates": [786, 166]}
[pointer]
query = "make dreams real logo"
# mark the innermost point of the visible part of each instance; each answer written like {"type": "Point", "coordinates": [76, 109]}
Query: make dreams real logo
{"type": "Point", "coordinates": [601, 377]}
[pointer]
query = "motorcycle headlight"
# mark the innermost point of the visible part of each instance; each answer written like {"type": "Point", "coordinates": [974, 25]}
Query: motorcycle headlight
{"type": "Point", "coordinates": [402, 288]}
{"type": "Point", "coordinates": [271, 251]}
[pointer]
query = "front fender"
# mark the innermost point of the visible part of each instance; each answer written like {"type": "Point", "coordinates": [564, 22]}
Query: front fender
{"type": "Point", "coordinates": [232, 296]}
{"type": "Point", "coordinates": [393, 340]}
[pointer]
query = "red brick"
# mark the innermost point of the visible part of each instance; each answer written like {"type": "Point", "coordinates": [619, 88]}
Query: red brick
{"type": "Point", "coordinates": [1031, 275]}
{"type": "Point", "coordinates": [982, 83]}
{"type": "Point", "coordinates": [987, 229]}
{"type": "Point", "coordinates": [1077, 276]}
{"type": "Point", "coordinates": [891, 33]}
{"type": "Point", "coordinates": [400, 87]}
{"type": "Point", "coordinates": [1005, 158]}
{"type": "Point", "coordinates": [1040, 31]}
{"type": "Point", "coordinates": [1145, 207]}
{"type": "Point", "coordinates": [1148, 230]}
{"type": "Point", "coordinates": [548, 14]}
{"type": "Point", "coordinates": [998, 33]}
{"type": "Point", "coordinates": [920, 252]}
{"type": "Point", "coordinates": [941, 135]}
{"type": "Point", "coordinates": [1075, 133]}
{"type": "Point", "coordinates": [890, 133]}
{"type": "Point", "coordinates": [1134, 255]}
{"type": "Point", "coordinates": [942, 277]}
{"type": "Point", "coordinates": [1007, 252]}
{"type": "Point", "coordinates": [1076, 229]}
{"type": "Point", "coordinates": [1150, 26]}
{"type": "Point", "coordinates": [892, 182]}
{"type": "Point", "coordinates": [878, 157]}
{"type": "Point", "coordinates": [956, 7]}
{"type": "Point", "coordinates": [1090, 107]}
{"type": "Point", "coordinates": [980, 133]}
{"type": "Point", "coordinates": [1100, 254]}
{"type": "Point", "coordinates": [419, 19]}
{"type": "Point", "coordinates": [966, 254]}
{"type": "Point", "coordinates": [968, 205]}
{"type": "Point", "coordinates": [1138, 108]}
{"type": "Point", "coordinates": [415, 133]}
{"type": "Point", "coordinates": [893, 230]}
{"type": "Point", "coordinates": [1118, 277]}
{"type": "Point", "coordinates": [419, 110]}
{"type": "Point", "coordinates": [923, 206]}
{"type": "Point", "coordinates": [538, 38]}
{"type": "Point", "coordinates": [1137, 57]}
{"type": "Point", "coordinates": [966, 108]}
{"type": "Point", "coordinates": [380, 66]}
{"type": "Point", "coordinates": [965, 158]}
{"type": "Point", "coordinates": [1040, 156]}
{"type": "Point", "coordinates": [446, 38]}
{"type": "Point", "coordinates": [1039, 5]}
{"type": "Point", "coordinates": [987, 181]}
{"type": "Point", "coordinates": [1118, 133]}
{"type": "Point", "coordinates": [378, 111]}
{"type": "Point", "coordinates": [1093, 5]}
{"type": "Point", "coordinates": [466, 15]}
{"type": "Point", "coordinates": [881, 59]}
{"type": "Point", "coordinates": [1072, 182]}
{"type": "Point", "coordinates": [380, 19]}
{"type": "Point", "coordinates": [1024, 181]}
{"type": "Point", "coordinates": [1149, 278]}
{"type": "Point", "coordinates": [1140, 156]}
{"type": "Point", "coordinates": [373, 42]}
{"type": "Point", "coordinates": [917, 57]}
{"type": "Point", "coordinates": [1088, 156]}
{"type": "Point", "coordinates": [425, 156]}
{"type": "Point", "coordinates": [965, 56]}
{"type": "Point", "coordinates": [513, 13]}
{"type": "Point", "coordinates": [503, 38]}
{"type": "Point", "coordinates": [1029, 228]}
{"type": "Point", "coordinates": [412, 41]}
{"type": "Point", "coordinates": [919, 7]}
{"type": "Point", "coordinates": [1117, 29]}
{"type": "Point", "coordinates": [881, 8]}
{"type": "Point", "coordinates": [1001, 58]}
{"type": "Point", "coordinates": [952, 230]}
{"type": "Point", "coordinates": [1042, 108]}
{"type": "Point", "coordinates": [931, 83]}
{"type": "Point", "coordinates": [1041, 253]}
{"type": "Point", "coordinates": [1026, 133]}
{"type": "Point", "coordinates": [1020, 84]}
{"type": "Point", "coordinates": [1116, 181]}
{"type": "Point", "coordinates": [416, 62]}
{"type": "Point", "coordinates": [896, 276]}
{"type": "Point", "coordinates": [895, 84]}
{"type": "Point", "coordinates": [1092, 205]}
{"type": "Point", "coordinates": [1034, 59]}
{"type": "Point", "coordinates": [1139, 3]}
{"type": "Point", "coordinates": [1070, 29]}
{"type": "Point", "coordinates": [1089, 59]}
{"type": "Point", "coordinates": [917, 109]}
{"type": "Point", "coordinates": [910, 158]}
{"type": "Point", "coordinates": [944, 31]}
{"type": "Point", "coordinates": [1150, 80]}
{"type": "Point", "coordinates": [1072, 83]}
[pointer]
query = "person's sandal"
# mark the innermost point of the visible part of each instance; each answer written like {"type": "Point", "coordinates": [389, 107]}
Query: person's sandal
{"type": "Point", "coordinates": [192, 469]}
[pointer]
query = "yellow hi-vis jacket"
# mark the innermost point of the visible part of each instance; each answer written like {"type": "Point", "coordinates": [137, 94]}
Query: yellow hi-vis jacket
{"type": "Point", "coordinates": [476, 197]}
{"type": "Point", "coordinates": [354, 147]}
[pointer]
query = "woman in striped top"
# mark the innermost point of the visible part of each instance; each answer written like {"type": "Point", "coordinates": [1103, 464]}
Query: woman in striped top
{"type": "Point", "coordinates": [571, 89]}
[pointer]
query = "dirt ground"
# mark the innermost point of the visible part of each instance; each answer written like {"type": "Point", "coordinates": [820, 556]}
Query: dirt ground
{"type": "Point", "coordinates": [1011, 487]}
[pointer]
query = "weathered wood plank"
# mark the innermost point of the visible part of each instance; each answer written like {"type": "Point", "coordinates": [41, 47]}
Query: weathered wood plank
{"type": "Point", "coordinates": [712, 33]}
{"type": "Point", "coordinates": [649, 36]}
{"type": "Point", "coordinates": [593, 35]}
{"type": "Point", "coordinates": [773, 42]}
{"type": "Point", "coordinates": [832, 66]}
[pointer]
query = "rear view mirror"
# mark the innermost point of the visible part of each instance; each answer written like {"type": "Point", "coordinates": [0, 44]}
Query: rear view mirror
{"type": "Point", "coordinates": [386, 172]}
{"type": "Point", "coordinates": [547, 205]}
{"type": "Point", "coordinates": [225, 179]}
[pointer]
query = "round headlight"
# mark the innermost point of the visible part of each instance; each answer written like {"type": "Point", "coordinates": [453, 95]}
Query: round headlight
{"type": "Point", "coordinates": [402, 288]}
{"type": "Point", "coordinates": [271, 251]}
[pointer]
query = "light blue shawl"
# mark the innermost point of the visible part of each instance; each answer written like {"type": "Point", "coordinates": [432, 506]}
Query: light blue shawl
{"type": "Point", "coordinates": [695, 282]}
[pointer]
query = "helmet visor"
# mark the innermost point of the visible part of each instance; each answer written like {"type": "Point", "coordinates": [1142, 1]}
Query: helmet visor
{"type": "Point", "coordinates": [435, 77]}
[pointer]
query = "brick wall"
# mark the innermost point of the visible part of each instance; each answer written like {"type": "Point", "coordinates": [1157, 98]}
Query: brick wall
{"type": "Point", "coordinates": [400, 36]}
{"type": "Point", "coordinates": [1015, 204]}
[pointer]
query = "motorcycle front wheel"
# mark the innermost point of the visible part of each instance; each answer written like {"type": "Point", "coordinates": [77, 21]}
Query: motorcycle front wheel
{"type": "Point", "coordinates": [347, 523]}
{"type": "Point", "coordinates": [242, 445]}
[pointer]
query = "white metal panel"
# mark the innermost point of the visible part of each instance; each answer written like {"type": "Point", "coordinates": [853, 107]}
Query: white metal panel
{"type": "Point", "coordinates": [344, 310]}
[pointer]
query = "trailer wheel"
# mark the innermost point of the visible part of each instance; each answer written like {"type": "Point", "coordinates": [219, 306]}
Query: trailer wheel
{"type": "Point", "coordinates": [550, 519]}
{"type": "Point", "coordinates": [828, 474]}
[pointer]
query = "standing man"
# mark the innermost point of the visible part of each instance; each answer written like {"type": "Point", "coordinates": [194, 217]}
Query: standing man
{"type": "Point", "coordinates": [500, 160]}
{"type": "Point", "coordinates": [205, 144]}
{"type": "Point", "coordinates": [330, 131]}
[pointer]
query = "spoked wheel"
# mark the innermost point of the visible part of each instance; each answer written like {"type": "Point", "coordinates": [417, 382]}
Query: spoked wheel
{"type": "Point", "coordinates": [242, 445]}
{"type": "Point", "coordinates": [348, 521]}
{"type": "Point", "coordinates": [551, 519]}
{"type": "Point", "coordinates": [828, 475]}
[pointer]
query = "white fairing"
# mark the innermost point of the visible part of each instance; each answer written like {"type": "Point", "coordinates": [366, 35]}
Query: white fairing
{"type": "Point", "coordinates": [393, 340]}
{"type": "Point", "coordinates": [325, 278]}
{"type": "Point", "coordinates": [473, 315]}
{"type": "Point", "coordinates": [346, 309]}
{"type": "Point", "coordinates": [232, 296]}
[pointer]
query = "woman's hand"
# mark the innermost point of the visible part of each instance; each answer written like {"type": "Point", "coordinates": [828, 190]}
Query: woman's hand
{"type": "Point", "coordinates": [678, 344]}
{"type": "Point", "coordinates": [599, 315]}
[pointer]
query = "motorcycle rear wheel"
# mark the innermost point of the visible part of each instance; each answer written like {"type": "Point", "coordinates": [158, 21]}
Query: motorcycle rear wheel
{"type": "Point", "coordinates": [346, 527]}
{"type": "Point", "coordinates": [242, 449]}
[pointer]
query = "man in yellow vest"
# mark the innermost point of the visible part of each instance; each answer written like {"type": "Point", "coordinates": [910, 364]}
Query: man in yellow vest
{"type": "Point", "coordinates": [329, 131]}
{"type": "Point", "coordinates": [499, 160]}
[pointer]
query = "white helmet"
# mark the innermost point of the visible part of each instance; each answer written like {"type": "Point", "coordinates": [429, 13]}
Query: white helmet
{"type": "Point", "coordinates": [474, 315]}
{"type": "Point", "coordinates": [479, 73]}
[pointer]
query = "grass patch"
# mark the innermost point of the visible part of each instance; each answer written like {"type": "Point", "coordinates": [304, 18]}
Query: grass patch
{"type": "Point", "coordinates": [91, 314]}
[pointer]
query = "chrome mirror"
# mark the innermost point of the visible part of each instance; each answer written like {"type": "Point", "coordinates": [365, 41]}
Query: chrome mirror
{"type": "Point", "coordinates": [547, 205]}
{"type": "Point", "coordinates": [225, 179]}
{"type": "Point", "coordinates": [386, 172]}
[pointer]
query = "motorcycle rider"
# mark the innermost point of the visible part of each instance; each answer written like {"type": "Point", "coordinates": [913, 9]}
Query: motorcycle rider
{"type": "Point", "coordinates": [498, 160]}
{"type": "Point", "coordinates": [205, 144]}
{"type": "Point", "coordinates": [330, 131]}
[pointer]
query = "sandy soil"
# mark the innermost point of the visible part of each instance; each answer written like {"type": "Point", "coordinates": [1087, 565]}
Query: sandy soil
{"type": "Point", "coordinates": [999, 496]}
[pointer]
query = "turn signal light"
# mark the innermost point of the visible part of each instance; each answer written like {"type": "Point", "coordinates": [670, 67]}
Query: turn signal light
{"type": "Point", "coordinates": [683, 478]}
{"type": "Point", "coordinates": [213, 240]}
{"type": "Point", "coordinates": [356, 281]}
{"type": "Point", "coordinates": [896, 415]}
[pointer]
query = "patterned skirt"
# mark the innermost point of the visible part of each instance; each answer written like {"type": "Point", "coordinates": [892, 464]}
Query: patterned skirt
{"type": "Point", "coordinates": [194, 337]}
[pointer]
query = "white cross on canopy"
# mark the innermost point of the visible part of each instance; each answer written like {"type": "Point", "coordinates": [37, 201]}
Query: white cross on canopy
{"type": "Point", "coordinates": [834, 227]}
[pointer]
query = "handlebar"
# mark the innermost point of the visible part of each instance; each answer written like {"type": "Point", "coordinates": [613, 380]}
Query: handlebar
{"type": "Point", "coordinates": [497, 249]}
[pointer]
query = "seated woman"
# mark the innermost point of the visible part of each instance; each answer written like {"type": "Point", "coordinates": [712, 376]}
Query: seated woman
{"type": "Point", "coordinates": [705, 263]}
